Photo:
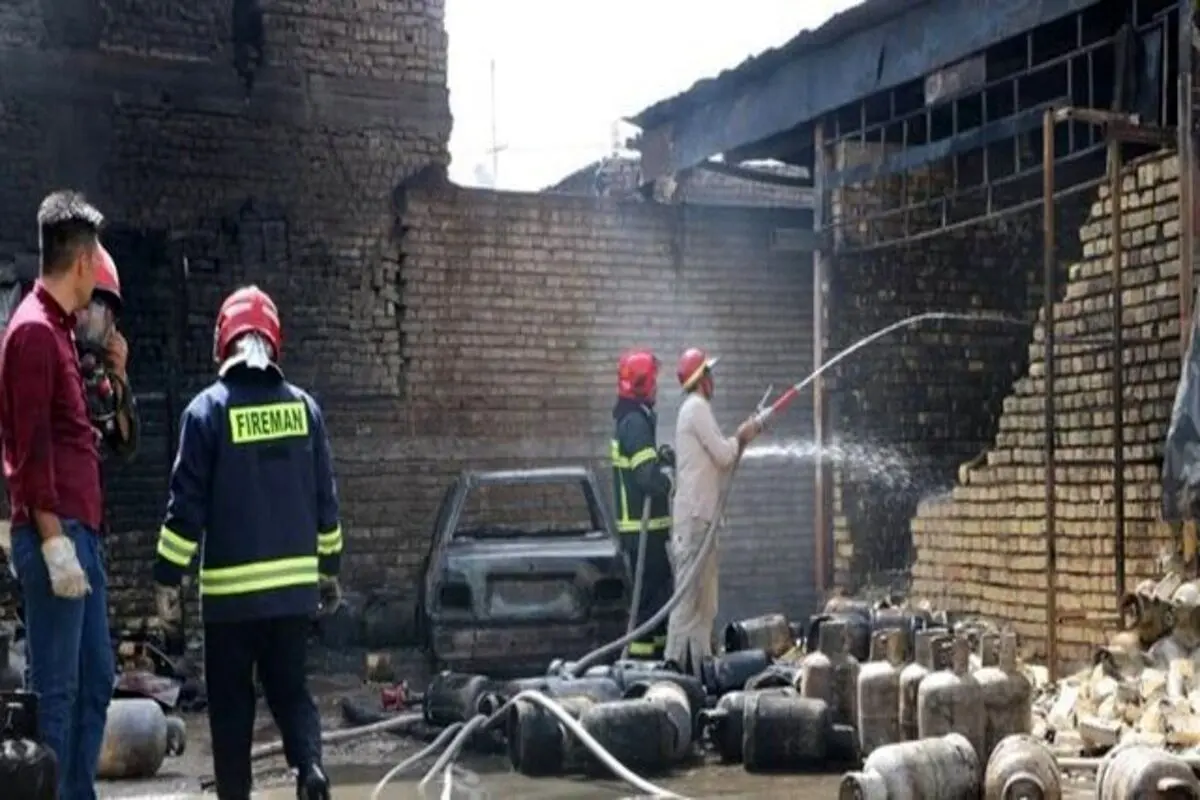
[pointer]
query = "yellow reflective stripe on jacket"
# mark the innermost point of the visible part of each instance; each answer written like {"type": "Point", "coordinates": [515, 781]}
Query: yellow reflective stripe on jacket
{"type": "Point", "coordinates": [626, 522]}
{"type": "Point", "coordinates": [260, 576]}
{"type": "Point", "coordinates": [652, 525]}
{"type": "Point", "coordinates": [174, 548]}
{"type": "Point", "coordinates": [330, 543]}
{"type": "Point", "coordinates": [641, 648]}
{"type": "Point", "coordinates": [642, 456]}
{"type": "Point", "coordinates": [251, 424]}
{"type": "Point", "coordinates": [619, 461]}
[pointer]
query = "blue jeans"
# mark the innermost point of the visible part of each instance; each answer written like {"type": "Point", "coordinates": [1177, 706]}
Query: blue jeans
{"type": "Point", "coordinates": [70, 656]}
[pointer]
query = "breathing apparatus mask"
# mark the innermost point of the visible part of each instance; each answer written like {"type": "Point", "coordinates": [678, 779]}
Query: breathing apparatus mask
{"type": "Point", "coordinates": [94, 328]}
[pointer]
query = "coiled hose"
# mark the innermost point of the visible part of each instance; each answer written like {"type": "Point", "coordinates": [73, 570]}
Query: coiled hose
{"type": "Point", "coordinates": [462, 732]}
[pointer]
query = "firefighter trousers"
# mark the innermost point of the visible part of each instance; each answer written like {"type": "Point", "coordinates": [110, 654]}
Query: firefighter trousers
{"type": "Point", "coordinates": [657, 586]}
{"type": "Point", "coordinates": [275, 651]}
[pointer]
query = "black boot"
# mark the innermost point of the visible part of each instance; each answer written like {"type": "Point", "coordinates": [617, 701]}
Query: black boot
{"type": "Point", "coordinates": [312, 784]}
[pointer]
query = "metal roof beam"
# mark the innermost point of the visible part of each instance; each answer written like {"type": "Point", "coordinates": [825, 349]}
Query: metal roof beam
{"type": "Point", "coordinates": [905, 48]}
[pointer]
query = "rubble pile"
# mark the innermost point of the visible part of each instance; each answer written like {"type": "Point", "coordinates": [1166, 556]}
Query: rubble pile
{"type": "Point", "coordinates": [1144, 685]}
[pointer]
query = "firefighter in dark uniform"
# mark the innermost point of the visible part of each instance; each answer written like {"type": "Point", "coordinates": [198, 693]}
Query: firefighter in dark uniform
{"type": "Point", "coordinates": [253, 491]}
{"type": "Point", "coordinates": [641, 470]}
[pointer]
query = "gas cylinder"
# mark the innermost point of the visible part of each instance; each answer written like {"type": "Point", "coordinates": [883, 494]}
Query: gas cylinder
{"type": "Point", "coordinates": [942, 768]}
{"type": "Point", "coordinates": [729, 672]}
{"type": "Point", "coordinates": [636, 733]}
{"type": "Point", "coordinates": [771, 633]}
{"type": "Point", "coordinates": [454, 697]}
{"type": "Point", "coordinates": [949, 700]}
{"type": "Point", "coordinates": [1022, 768]}
{"type": "Point", "coordinates": [600, 689]}
{"type": "Point", "coordinates": [537, 741]}
{"type": "Point", "coordinates": [912, 675]}
{"type": "Point", "coordinates": [784, 731]}
{"type": "Point", "coordinates": [1142, 771]}
{"type": "Point", "coordinates": [878, 698]}
{"type": "Point", "coordinates": [858, 631]}
{"type": "Point", "coordinates": [691, 685]}
{"type": "Point", "coordinates": [675, 704]}
{"type": "Point", "coordinates": [989, 650]}
{"type": "Point", "coordinates": [1007, 696]}
{"type": "Point", "coordinates": [831, 674]}
{"type": "Point", "coordinates": [137, 737]}
{"type": "Point", "coordinates": [907, 620]}
{"type": "Point", "coordinates": [725, 722]}
{"type": "Point", "coordinates": [774, 677]}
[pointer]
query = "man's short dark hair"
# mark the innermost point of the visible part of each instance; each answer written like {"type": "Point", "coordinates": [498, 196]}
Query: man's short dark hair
{"type": "Point", "coordinates": [67, 222]}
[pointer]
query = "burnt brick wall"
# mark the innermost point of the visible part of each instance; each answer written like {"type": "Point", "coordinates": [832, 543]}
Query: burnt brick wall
{"type": "Point", "coordinates": [983, 548]}
{"type": "Point", "coordinates": [207, 187]}
{"type": "Point", "coordinates": [515, 309]}
{"type": "Point", "coordinates": [910, 409]}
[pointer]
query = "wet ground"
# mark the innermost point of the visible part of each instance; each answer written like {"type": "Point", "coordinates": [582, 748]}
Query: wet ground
{"type": "Point", "coordinates": [356, 767]}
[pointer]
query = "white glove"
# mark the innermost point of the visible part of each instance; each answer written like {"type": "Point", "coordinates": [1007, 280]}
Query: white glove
{"type": "Point", "coordinates": [670, 473]}
{"type": "Point", "coordinates": [67, 578]}
{"type": "Point", "coordinates": [169, 606]}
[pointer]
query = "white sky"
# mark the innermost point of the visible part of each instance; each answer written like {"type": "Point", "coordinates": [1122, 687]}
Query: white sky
{"type": "Point", "coordinates": [566, 70]}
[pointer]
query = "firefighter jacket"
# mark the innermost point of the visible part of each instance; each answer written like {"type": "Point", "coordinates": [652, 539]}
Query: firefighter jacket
{"type": "Point", "coordinates": [252, 491]}
{"type": "Point", "coordinates": [637, 471]}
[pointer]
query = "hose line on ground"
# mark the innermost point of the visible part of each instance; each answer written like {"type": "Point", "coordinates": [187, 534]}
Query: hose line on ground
{"type": "Point", "coordinates": [481, 722]}
{"type": "Point", "coordinates": [442, 738]}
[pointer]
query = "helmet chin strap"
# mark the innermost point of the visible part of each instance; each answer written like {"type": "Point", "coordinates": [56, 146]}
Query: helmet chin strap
{"type": "Point", "coordinates": [253, 351]}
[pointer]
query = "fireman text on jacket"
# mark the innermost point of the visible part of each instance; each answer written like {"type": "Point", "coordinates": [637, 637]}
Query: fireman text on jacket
{"type": "Point", "coordinates": [268, 423]}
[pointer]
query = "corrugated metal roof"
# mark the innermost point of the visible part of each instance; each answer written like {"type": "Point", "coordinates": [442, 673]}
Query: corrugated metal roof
{"type": "Point", "coordinates": [867, 14]}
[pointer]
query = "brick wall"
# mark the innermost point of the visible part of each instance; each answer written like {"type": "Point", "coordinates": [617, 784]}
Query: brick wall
{"type": "Point", "coordinates": [207, 187]}
{"type": "Point", "coordinates": [908, 410]}
{"type": "Point", "coordinates": [516, 307]}
{"type": "Point", "coordinates": [983, 547]}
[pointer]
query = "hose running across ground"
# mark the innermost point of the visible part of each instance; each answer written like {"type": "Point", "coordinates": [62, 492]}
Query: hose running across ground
{"type": "Point", "coordinates": [481, 722]}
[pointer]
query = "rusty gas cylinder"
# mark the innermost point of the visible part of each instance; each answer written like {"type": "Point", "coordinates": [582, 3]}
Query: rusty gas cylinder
{"type": "Point", "coordinates": [725, 722]}
{"type": "Point", "coordinates": [878, 698]}
{"type": "Point", "coordinates": [138, 736]}
{"type": "Point", "coordinates": [941, 768]}
{"type": "Point", "coordinates": [636, 733]}
{"type": "Point", "coordinates": [771, 633]}
{"type": "Point", "coordinates": [949, 700]}
{"type": "Point", "coordinates": [831, 674]}
{"type": "Point", "coordinates": [538, 742]}
{"type": "Point", "coordinates": [989, 650]}
{"type": "Point", "coordinates": [775, 676]}
{"type": "Point", "coordinates": [1007, 697]}
{"type": "Point", "coordinates": [729, 672]}
{"type": "Point", "coordinates": [675, 704]}
{"type": "Point", "coordinates": [454, 697]}
{"type": "Point", "coordinates": [1136, 771]}
{"type": "Point", "coordinates": [1022, 768]}
{"type": "Point", "coordinates": [784, 732]}
{"type": "Point", "coordinates": [927, 643]}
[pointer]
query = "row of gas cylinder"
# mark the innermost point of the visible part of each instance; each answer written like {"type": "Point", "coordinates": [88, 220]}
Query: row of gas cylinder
{"type": "Point", "coordinates": [949, 723]}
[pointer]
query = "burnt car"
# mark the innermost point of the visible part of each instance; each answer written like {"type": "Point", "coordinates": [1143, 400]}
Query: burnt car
{"type": "Point", "coordinates": [524, 568]}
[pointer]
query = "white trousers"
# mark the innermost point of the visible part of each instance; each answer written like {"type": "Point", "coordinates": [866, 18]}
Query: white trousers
{"type": "Point", "coordinates": [690, 626]}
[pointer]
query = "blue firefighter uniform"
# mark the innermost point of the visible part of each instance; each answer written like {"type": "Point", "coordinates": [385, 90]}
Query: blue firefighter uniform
{"type": "Point", "coordinates": [253, 493]}
{"type": "Point", "coordinates": [638, 473]}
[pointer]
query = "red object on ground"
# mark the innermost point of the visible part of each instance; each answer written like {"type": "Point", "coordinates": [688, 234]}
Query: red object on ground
{"type": "Point", "coordinates": [394, 697]}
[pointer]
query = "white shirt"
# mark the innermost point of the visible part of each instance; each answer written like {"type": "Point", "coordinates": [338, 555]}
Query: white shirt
{"type": "Point", "coordinates": [703, 456]}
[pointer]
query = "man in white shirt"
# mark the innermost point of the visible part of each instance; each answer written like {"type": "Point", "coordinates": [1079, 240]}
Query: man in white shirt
{"type": "Point", "coordinates": [703, 460]}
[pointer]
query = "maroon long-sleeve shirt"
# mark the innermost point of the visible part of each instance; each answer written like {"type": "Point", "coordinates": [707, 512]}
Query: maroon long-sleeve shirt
{"type": "Point", "coordinates": [51, 458]}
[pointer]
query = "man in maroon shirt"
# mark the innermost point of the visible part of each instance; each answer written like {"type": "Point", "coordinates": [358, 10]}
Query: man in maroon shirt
{"type": "Point", "coordinates": [52, 465]}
